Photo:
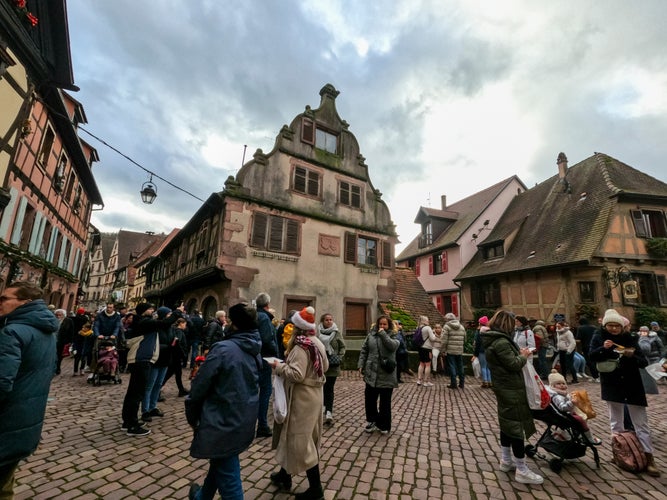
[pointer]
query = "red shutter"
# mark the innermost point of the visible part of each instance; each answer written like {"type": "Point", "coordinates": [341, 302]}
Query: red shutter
{"type": "Point", "coordinates": [438, 304]}
{"type": "Point", "coordinates": [430, 264]}
{"type": "Point", "coordinates": [417, 266]}
{"type": "Point", "coordinates": [350, 248]}
{"type": "Point", "coordinates": [308, 131]}
{"type": "Point", "coordinates": [455, 305]}
{"type": "Point", "coordinates": [444, 261]}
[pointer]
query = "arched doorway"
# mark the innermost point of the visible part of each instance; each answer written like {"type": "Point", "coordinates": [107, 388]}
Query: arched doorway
{"type": "Point", "coordinates": [208, 308]}
{"type": "Point", "coordinates": [191, 305]}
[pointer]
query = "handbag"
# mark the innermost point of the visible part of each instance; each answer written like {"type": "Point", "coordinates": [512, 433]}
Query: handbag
{"type": "Point", "coordinates": [537, 394]}
{"type": "Point", "coordinates": [387, 364]}
{"type": "Point", "coordinates": [607, 366]}
{"type": "Point", "coordinates": [334, 360]}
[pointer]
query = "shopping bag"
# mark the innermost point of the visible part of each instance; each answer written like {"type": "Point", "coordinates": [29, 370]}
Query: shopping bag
{"type": "Point", "coordinates": [279, 399]}
{"type": "Point", "coordinates": [476, 369]}
{"type": "Point", "coordinates": [537, 394]}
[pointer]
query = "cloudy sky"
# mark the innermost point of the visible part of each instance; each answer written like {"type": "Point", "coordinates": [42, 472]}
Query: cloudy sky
{"type": "Point", "coordinates": [444, 97]}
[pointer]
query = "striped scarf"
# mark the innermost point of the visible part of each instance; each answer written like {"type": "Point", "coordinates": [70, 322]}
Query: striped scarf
{"type": "Point", "coordinates": [315, 356]}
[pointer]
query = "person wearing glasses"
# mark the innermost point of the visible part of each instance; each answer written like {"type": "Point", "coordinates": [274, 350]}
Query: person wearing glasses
{"type": "Point", "coordinates": [27, 360]}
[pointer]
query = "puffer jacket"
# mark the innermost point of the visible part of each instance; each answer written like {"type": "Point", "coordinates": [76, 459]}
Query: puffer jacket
{"type": "Point", "coordinates": [652, 347]}
{"type": "Point", "coordinates": [454, 337]}
{"type": "Point", "coordinates": [506, 364]}
{"type": "Point", "coordinates": [375, 345]}
{"type": "Point", "coordinates": [27, 365]}
{"type": "Point", "coordinates": [224, 397]}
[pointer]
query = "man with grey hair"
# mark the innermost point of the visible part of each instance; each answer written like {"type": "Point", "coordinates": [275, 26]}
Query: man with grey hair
{"type": "Point", "coordinates": [215, 331]}
{"type": "Point", "coordinates": [269, 349]}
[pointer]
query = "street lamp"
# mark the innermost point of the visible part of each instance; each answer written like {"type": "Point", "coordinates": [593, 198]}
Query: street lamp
{"type": "Point", "coordinates": [148, 191]}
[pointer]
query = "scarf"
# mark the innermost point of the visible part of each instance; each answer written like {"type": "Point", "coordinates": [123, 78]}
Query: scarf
{"type": "Point", "coordinates": [315, 356]}
{"type": "Point", "coordinates": [326, 335]}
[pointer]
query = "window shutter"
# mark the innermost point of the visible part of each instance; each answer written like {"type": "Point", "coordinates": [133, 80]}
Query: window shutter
{"type": "Point", "coordinates": [430, 264]}
{"type": "Point", "coordinates": [355, 196]}
{"type": "Point", "coordinates": [300, 179]}
{"type": "Point", "coordinates": [344, 195]}
{"type": "Point", "coordinates": [313, 183]}
{"type": "Point", "coordinates": [638, 221]}
{"type": "Point", "coordinates": [292, 237]}
{"type": "Point", "coordinates": [661, 283]}
{"type": "Point", "coordinates": [386, 254]}
{"type": "Point", "coordinates": [351, 248]}
{"type": "Point", "coordinates": [258, 238]}
{"type": "Point", "coordinates": [308, 131]}
{"type": "Point", "coordinates": [417, 266]}
{"type": "Point", "coordinates": [276, 233]}
{"type": "Point", "coordinates": [438, 304]}
{"type": "Point", "coordinates": [455, 305]}
{"type": "Point", "coordinates": [444, 261]}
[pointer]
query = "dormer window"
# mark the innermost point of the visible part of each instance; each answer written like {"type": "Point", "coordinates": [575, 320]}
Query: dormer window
{"type": "Point", "coordinates": [319, 137]}
{"type": "Point", "coordinates": [493, 251]}
{"type": "Point", "coordinates": [426, 238]}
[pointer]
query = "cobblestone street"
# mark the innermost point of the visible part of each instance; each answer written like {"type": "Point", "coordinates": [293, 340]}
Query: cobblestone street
{"type": "Point", "coordinates": [444, 444]}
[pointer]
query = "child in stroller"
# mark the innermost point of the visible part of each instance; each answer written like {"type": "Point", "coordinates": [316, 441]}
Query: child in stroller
{"type": "Point", "coordinates": [107, 362]}
{"type": "Point", "coordinates": [567, 435]}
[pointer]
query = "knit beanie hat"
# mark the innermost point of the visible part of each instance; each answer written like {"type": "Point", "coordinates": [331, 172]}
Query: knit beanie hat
{"type": "Point", "coordinates": [243, 317]}
{"type": "Point", "coordinates": [80, 310]}
{"type": "Point", "coordinates": [484, 321]}
{"type": "Point", "coordinates": [555, 377]}
{"type": "Point", "coordinates": [305, 319]}
{"type": "Point", "coordinates": [142, 308]}
{"type": "Point", "coordinates": [654, 323]}
{"type": "Point", "coordinates": [611, 316]}
{"type": "Point", "coordinates": [162, 312]}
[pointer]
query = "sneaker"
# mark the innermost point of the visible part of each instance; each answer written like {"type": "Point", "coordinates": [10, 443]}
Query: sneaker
{"type": "Point", "coordinates": [507, 466]}
{"type": "Point", "coordinates": [328, 419]}
{"type": "Point", "coordinates": [596, 380]}
{"type": "Point", "coordinates": [370, 427]}
{"type": "Point", "coordinates": [138, 431]}
{"type": "Point", "coordinates": [528, 477]}
{"type": "Point", "coordinates": [382, 431]}
{"type": "Point", "coordinates": [263, 432]}
{"type": "Point", "coordinates": [123, 426]}
{"type": "Point", "coordinates": [156, 412]}
{"type": "Point", "coordinates": [419, 382]}
{"type": "Point", "coordinates": [146, 417]}
{"type": "Point", "coordinates": [428, 384]}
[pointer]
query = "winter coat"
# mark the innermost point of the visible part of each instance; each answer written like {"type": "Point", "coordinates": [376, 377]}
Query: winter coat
{"type": "Point", "coordinates": [524, 337]}
{"type": "Point", "coordinates": [624, 384]}
{"type": "Point", "coordinates": [540, 331]}
{"type": "Point", "coordinates": [65, 332]}
{"type": "Point", "coordinates": [427, 334]}
{"type": "Point", "coordinates": [454, 336]}
{"type": "Point", "coordinates": [267, 332]}
{"type": "Point", "coordinates": [27, 365]}
{"type": "Point", "coordinates": [142, 337]}
{"type": "Point", "coordinates": [297, 439]}
{"type": "Point", "coordinates": [336, 346]}
{"type": "Point", "coordinates": [652, 347]}
{"type": "Point", "coordinates": [565, 341]}
{"type": "Point", "coordinates": [106, 325]}
{"type": "Point", "coordinates": [224, 397]}
{"type": "Point", "coordinates": [215, 332]}
{"type": "Point", "coordinates": [375, 345]}
{"type": "Point", "coordinates": [506, 365]}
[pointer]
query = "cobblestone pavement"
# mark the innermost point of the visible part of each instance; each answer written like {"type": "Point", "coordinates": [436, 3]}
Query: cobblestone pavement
{"type": "Point", "coordinates": [444, 444]}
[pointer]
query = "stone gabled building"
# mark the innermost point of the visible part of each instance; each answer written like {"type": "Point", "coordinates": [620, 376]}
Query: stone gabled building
{"type": "Point", "coordinates": [302, 222]}
{"type": "Point", "coordinates": [581, 241]}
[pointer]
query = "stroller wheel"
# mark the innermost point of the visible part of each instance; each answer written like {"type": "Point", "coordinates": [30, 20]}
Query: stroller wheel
{"type": "Point", "coordinates": [531, 451]}
{"type": "Point", "coordinates": [556, 465]}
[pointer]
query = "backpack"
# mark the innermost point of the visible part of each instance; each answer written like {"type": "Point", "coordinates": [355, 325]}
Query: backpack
{"type": "Point", "coordinates": [627, 452]}
{"type": "Point", "coordinates": [418, 338]}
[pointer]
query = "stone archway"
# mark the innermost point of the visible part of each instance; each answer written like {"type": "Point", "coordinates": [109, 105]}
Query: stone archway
{"type": "Point", "coordinates": [209, 306]}
{"type": "Point", "coordinates": [191, 305]}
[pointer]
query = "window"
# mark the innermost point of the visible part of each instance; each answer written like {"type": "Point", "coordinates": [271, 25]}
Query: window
{"type": "Point", "coordinates": [47, 146]}
{"type": "Point", "coordinates": [349, 194]}
{"type": "Point", "coordinates": [649, 223]}
{"type": "Point", "coordinates": [306, 181]}
{"type": "Point", "coordinates": [485, 294]}
{"type": "Point", "coordinates": [493, 251]}
{"type": "Point", "coordinates": [320, 138]}
{"type": "Point", "coordinates": [440, 263]}
{"type": "Point", "coordinates": [587, 292]}
{"type": "Point", "coordinates": [274, 233]}
{"type": "Point", "coordinates": [426, 238]}
{"type": "Point", "coordinates": [361, 250]}
{"type": "Point", "coordinates": [59, 178]}
{"type": "Point", "coordinates": [649, 290]}
{"type": "Point", "coordinates": [357, 318]}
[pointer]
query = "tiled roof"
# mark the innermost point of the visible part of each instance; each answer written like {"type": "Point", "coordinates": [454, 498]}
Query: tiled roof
{"type": "Point", "coordinates": [467, 211]}
{"type": "Point", "coordinates": [410, 296]}
{"type": "Point", "coordinates": [562, 228]}
{"type": "Point", "coordinates": [131, 242]}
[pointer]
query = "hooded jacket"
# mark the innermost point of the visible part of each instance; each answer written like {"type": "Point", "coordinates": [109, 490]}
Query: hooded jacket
{"type": "Point", "coordinates": [224, 397]}
{"type": "Point", "coordinates": [27, 365]}
{"type": "Point", "coordinates": [454, 337]}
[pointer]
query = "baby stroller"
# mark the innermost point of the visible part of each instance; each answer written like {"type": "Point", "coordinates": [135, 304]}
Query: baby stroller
{"type": "Point", "coordinates": [563, 438]}
{"type": "Point", "coordinates": [106, 363]}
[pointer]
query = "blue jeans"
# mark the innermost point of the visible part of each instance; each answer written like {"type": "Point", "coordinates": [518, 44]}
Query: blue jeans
{"type": "Point", "coordinates": [264, 395]}
{"type": "Point", "coordinates": [195, 350]}
{"type": "Point", "coordinates": [224, 476]}
{"type": "Point", "coordinates": [153, 386]}
{"type": "Point", "coordinates": [484, 367]}
{"type": "Point", "coordinates": [455, 362]}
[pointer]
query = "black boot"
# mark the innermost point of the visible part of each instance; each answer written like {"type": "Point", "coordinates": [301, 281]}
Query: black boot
{"type": "Point", "coordinates": [312, 493]}
{"type": "Point", "coordinates": [282, 479]}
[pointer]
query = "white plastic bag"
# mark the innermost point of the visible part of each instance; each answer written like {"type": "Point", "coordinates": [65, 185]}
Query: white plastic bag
{"type": "Point", "coordinates": [537, 394]}
{"type": "Point", "coordinates": [476, 369]}
{"type": "Point", "coordinates": [279, 399]}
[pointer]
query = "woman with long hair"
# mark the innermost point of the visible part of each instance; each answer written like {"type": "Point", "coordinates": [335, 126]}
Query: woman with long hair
{"type": "Point", "coordinates": [377, 354]}
{"type": "Point", "coordinates": [297, 439]}
{"type": "Point", "coordinates": [506, 362]}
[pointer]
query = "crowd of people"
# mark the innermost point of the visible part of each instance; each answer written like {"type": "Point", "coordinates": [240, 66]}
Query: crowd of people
{"type": "Point", "coordinates": [238, 357]}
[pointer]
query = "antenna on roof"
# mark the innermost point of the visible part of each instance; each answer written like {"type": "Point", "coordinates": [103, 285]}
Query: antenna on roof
{"type": "Point", "coordinates": [428, 199]}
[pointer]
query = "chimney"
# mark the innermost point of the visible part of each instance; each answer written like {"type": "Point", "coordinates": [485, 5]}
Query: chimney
{"type": "Point", "coordinates": [562, 165]}
{"type": "Point", "coordinates": [443, 201]}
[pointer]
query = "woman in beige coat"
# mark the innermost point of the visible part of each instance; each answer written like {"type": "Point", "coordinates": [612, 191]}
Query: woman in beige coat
{"type": "Point", "coordinates": [297, 439]}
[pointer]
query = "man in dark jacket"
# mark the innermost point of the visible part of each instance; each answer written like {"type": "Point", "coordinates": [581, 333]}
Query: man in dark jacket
{"type": "Point", "coordinates": [585, 333]}
{"type": "Point", "coordinates": [64, 337]}
{"type": "Point", "coordinates": [194, 335]}
{"type": "Point", "coordinates": [27, 360]}
{"type": "Point", "coordinates": [107, 323]}
{"type": "Point", "coordinates": [222, 405]}
{"type": "Point", "coordinates": [215, 331]}
{"type": "Point", "coordinates": [269, 349]}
